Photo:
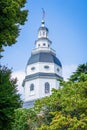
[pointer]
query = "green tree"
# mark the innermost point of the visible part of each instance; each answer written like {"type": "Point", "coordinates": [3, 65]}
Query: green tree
{"type": "Point", "coordinates": [76, 75]}
{"type": "Point", "coordinates": [64, 122]}
{"type": "Point", "coordinates": [26, 119]}
{"type": "Point", "coordinates": [9, 98]}
{"type": "Point", "coordinates": [12, 16]}
{"type": "Point", "coordinates": [72, 114]}
{"type": "Point", "coordinates": [65, 109]}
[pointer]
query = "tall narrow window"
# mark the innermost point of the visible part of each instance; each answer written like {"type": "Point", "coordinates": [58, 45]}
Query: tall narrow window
{"type": "Point", "coordinates": [38, 45]}
{"type": "Point", "coordinates": [32, 87]}
{"type": "Point", "coordinates": [47, 87]}
{"type": "Point", "coordinates": [43, 33]}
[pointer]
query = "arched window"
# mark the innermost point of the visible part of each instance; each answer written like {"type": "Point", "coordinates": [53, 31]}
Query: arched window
{"type": "Point", "coordinates": [32, 87]}
{"type": "Point", "coordinates": [38, 45]}
{"type": "Point", "coordinates": [47, 87]}
{"type": "Point", "coordinates": [43, 33]}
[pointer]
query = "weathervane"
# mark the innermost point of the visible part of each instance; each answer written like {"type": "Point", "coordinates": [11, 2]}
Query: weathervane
{"type": "Point", "coordinates": [43, 14]}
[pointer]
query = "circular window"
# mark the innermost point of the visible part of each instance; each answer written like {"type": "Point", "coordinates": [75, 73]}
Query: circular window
{"type": "Point", "coordinates": [46, 67]}
{"type": "Point", "coordinates": [58, 69]}
{"type": "Point", "coordinates": [44, 44]}
{"type": "Point", "coordinates": [33, 68]}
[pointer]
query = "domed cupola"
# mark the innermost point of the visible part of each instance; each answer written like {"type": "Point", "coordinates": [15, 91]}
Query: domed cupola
{"type": "Point", "coordinates": [43, 31]}
{"type": "Point", "coordinates": [43, 52]}
{"type": "Point", "coordinates": [43, 41]}
{"type": "Point", "coordinates": [42, 70]}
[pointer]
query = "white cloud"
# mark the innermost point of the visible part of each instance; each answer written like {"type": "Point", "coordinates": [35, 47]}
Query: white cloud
{"type": "Point", "coordinates": [20, 75]}
{"type": "Point", "coordinates": [68, 70]}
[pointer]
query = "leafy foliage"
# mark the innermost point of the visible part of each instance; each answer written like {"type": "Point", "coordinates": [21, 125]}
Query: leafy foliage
{"type": "Point", "coordinates": [73, 112]}
{"type": "Point", "coordinates": [65, 109]}
{"type": "Point", "coordinates": [9, 99]}
{"type": "Point", "coordinates": [76, 75]}
{"type": "Point", "coordinates": [12, 16]}
{"type": "Point", "coordinates": [26, 119]}
{"type": "Point", "coordinates": [64, 122]}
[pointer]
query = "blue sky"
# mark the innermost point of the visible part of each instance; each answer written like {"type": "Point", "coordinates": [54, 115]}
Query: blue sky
{"type": "Point", "coordinates": [67, 24]}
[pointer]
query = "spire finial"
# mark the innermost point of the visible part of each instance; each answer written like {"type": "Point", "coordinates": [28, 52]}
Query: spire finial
{"type": "Point", "coordinates": [43, 13]}
{"type": "Point", "coordinates": [43, 16]}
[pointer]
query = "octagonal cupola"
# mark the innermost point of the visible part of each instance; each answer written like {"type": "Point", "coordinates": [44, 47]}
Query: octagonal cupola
{"type": "Point", "coordinates": [42, 70]}
{"type": "Point", "coordinates": [43, 31]}
{"type": "Point", "coordinates": [43, 40]}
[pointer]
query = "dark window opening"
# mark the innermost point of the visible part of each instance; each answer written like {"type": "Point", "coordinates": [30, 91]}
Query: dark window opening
{"type": "Point", "coordinates": [32, 87]}
{"type": "Point", "coordinates": [43, 33]}
{"type": "Point", "coordinates": [46, 67]}
{"type": "Point", "coordinates": [33, 68]}
{"type": "Point", "coordinates": [44, 44]}
{"type": "Point", "coordinates": [58, 69]}
{"type": "Point", "coordinates": [47, 87]}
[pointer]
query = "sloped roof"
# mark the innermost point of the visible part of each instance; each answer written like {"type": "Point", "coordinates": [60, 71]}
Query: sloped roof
{"type": "Point", "coordinates": [44, 57]}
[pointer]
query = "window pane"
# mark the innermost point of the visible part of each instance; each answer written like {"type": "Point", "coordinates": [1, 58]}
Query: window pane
{"type": "Point", "coordinates": [44, 44]}
{"type": "Point", "coordinates": [33, 68]}
{"type": "Point", "coordinates": [47, 87]}
{"type": "Point", "coordinates": [46, 67]}
{"type": "Point", "coordinates": [31, 87]}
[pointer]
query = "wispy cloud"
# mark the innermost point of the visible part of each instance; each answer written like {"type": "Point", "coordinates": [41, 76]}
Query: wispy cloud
{"type": "Point", "coordinates": [20, 75]}
{"type": "Point", "coordinates": [68, 70]}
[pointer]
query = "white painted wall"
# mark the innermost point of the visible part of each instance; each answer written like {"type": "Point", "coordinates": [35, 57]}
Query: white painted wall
{"type": "Point", "coordinates": [39, 83]}
{"type": "Point", "coordinates": [34, 95]}
{"type": "Point", "coordinates": [39, 67]}
{"type": "Point", "coordinates": [52, 82]}
{"type": "Point", "coordinates": [57, 70]}
{"type": "Point", "coordinates": [39, 88]}
{"type": "Point", "coordinates": [42, 34]}
{"type": "Point", "coordinates": [41, 43]}
{"type": "Point", "coordinates": [41, 49]}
